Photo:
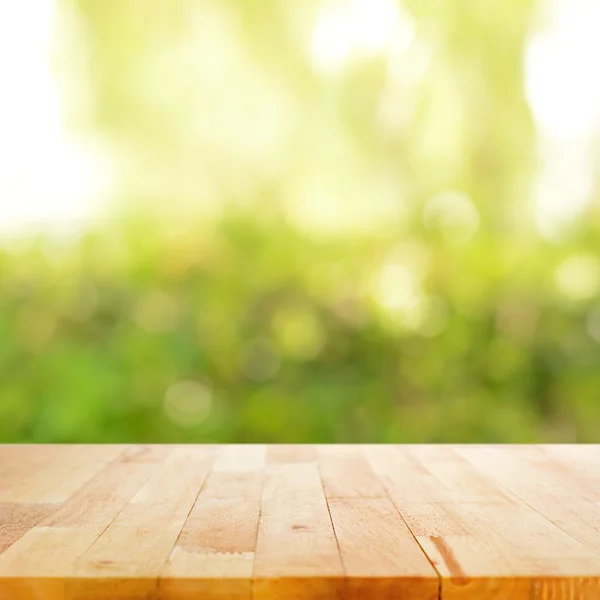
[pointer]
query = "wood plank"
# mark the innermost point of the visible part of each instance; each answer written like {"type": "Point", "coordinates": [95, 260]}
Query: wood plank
{"type": "Point", "coordinates": [257, 522]}
{"type": "Point", "coordinates": [241, 458]}
{"type": "Point", "coordinates": [57, 481]}
{"type": "Point", "coordinates": [498, 547]}
{"type": "Point", "coordinates": [380, 555]}
{"type": "Point", "coordinates": [561, 495]}
{"type": "Point", "coordinates": [21, 462]}
{"type": "Point", "coordinates": [297, 556]}
{"type": "Point", "coordinates": [346, 473]}
{"type": "Point", "coordinates": [579, 463]}
{"type": "Point", "coordinates": [214, 555]}
{"type": "Point", "coordinates": [401, 472]}
{"type": "Point", "coordinates": [103, 497]}
{"type": "Point", "coordinates": [147, 453]}
{"type": "Point", "coordinates": [225, 516]}
{"type": "Point", "coordinates": [40, 565]}
{"type": "Point", "coordinates": [17, 519]}
{"type": "Point", "coordinates": [207, 576]}
{"type": "Point", "coordinates": [130, 554]}
{"type": "Point", "coordinates": [278, 454]}
{"type": "Point", "coordinates": [507, 554]}
{"type": "Point", "coordinates": [460, 481]}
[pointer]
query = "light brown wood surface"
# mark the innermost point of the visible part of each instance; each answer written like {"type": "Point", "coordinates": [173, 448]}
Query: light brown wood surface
{"type": "Point", "coordinates": [299, 522]}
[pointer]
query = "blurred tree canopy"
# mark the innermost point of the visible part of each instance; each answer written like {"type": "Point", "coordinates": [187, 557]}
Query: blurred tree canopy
{"type": "Point", "coordinates": [320, 233]}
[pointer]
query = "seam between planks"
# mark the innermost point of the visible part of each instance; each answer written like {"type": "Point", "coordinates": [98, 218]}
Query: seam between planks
{"type": "Point", "coordinates": [260, 514]}
{"type": "Point", "coordinates": [388, 496]}
{"type": "Point", "coordinates": [213, 458]}
{"type": "Point", "coordinates": [337, 543]}
{"type": "Point", "coordinates": [523, 501]}
{"type": "Point", "coordinates": [115, 461]}
{"type": "Point", "coordinates": [71, 577]}
{"type": "Point", "coordinates": [125, 450]}
{"type": "Point", "coordinates": [34, 524]}
{"type": "Point", "coordinates": [58, 505]}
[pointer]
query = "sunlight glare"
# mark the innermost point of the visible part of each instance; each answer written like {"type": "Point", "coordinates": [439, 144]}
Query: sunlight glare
{"type": "Point", "coordinates": [564, 98]}
{"type": "Point", "coordinates": [560, 61]}
{"type": "Point", "coordinates": [46, 179]}
{"type": "Point", "coordinates": [343, 28]}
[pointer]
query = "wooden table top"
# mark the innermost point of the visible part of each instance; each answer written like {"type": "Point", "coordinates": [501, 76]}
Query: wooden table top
{"type": "Point", "coordinates": [299, 522]}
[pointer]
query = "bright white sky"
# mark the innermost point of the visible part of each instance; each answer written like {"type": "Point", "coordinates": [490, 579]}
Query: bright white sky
{"type": "Point", "coordinates": [563, 92]}
{"type": "Point", "coordinates": [46, 179]}
{"type": "Point", "coordinates": [49, 181]}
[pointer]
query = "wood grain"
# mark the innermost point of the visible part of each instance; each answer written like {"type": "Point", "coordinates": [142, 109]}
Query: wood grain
{"type": "Point", "coordinates": [487, 543]}
{"type": "Point", "coordinates": [379, 553]}
{"type": "Point", "coordinates": [346, 473]}
{"type": "Point", "coordinates": [297, 556]}
{"type": "Point", "coordinates": [256, 522]}
{"type": "Point", "coordinates": [131, 552]}
{"type": "Point", "coordinates": [218, 540]}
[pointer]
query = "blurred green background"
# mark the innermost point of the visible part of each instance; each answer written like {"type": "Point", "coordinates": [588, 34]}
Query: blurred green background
{"type": "Point", "coordinates": [315, 221]}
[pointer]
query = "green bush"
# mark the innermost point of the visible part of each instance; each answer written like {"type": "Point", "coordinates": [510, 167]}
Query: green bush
{"type": "Point", "coordinates": [245, 330]}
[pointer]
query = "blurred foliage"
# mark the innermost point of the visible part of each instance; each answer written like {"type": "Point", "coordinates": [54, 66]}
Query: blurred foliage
{"type": "Point", "coordinates": [300, 256]}
{"type": "Point", "coordinates": [287, 339]}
